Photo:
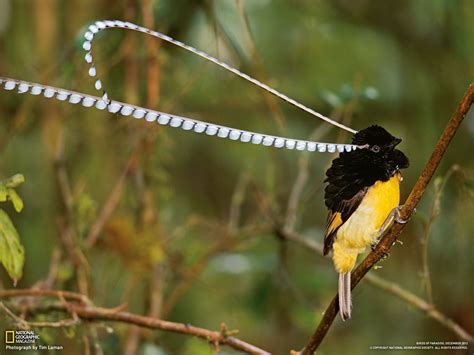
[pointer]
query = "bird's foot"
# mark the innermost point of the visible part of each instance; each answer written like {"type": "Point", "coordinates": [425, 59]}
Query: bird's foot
{"type": "Point", "coordinates": [394, 215]}
{"type": "Point", "coordinates": [397, 217]}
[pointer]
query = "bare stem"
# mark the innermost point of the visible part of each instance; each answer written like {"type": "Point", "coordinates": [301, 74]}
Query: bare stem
{"type": "Point", "coordinates": [110, 204]}
{"type": "Point", "coordinates": [421, 304]}
{"type": "Point", "coordinates": [270, 100]}
{"type": "Point", "coordinates": [435, 208]}
{"type": "Point", "coordinates": [236, 203]}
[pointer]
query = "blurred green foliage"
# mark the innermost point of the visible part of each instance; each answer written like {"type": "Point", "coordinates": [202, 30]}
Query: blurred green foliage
{"type": "Point", "coordinates": [12, 253]}
{"type": "Point", "coordinates": [402, 64]}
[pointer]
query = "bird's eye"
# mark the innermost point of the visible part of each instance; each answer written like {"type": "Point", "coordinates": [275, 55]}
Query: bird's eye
{"type": "Point", "coordinates": [375, 148]}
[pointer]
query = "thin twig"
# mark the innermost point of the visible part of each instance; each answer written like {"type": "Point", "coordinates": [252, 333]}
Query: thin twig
{"type": "Point", "coordinates": [76, 256]}
{"type": "Point", "coordinates": [21, 323]}
{"type": "Point", "coordinates": [388, 240]}
{"type": "Point", "coordinates": [26, 325]}
{"type": "Point", "coordinates": [435, 208]}
{"type": "Point", "coordinates": [421, 304]}
{"type": "Point", "coordinates": [302, 177]}
{"type": "Point", "coordinates": [48, 283]}
{"type": "Point", "coordinates": [153, 61]}
{"type": "Point", "coordinates": [110, 204]}
{"type": "Point", "coordinates": [149, 216]}
{"type": "Point", "coordinates": [296, 192]}
{"type": "Point", "coordinates": [67, 231]}
{"type": "Point", "coordinates": [270, 100]}
{"type": "Point", "coordinates": [61, 295]}
{"type": "Point", "coordinates": [236, 202]}
{"type": "Point", "coordinates": [87, 350]}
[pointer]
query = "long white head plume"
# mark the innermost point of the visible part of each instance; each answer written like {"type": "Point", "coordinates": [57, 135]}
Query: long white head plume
{"type": "Point", "coordinates": [185, 123]}
{"type": "Point", "coordinates": [101, 25]}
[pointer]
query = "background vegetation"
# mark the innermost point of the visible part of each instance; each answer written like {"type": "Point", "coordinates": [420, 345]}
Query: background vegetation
{"type": "Point", "coordinates": [184, 227]}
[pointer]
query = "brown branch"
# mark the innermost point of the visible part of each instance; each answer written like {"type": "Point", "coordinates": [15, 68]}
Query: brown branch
{"type": "Point", "coordinates": [62, 295]}
{"type": "Point", "coordinates": [95, 314]}
{"type": "Point", "coordinates": [387, 241]}
{"type": "Point", "coordinates": [393, 288]}
{"type": "Point", "coordinates": [26, 325]}
{"type": "Point", "coordinates": [91, 313]}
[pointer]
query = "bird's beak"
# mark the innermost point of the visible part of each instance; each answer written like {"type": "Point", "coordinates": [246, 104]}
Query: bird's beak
{"type": "Point", "coordinates": [395, 142]}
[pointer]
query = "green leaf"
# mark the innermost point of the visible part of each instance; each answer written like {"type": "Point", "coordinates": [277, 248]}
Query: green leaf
{"type": "Point", "coordinates": [3, 193]}
{"type": "Point", "coordinates": [13, 181]}
{"type": "Point", "coordinates": [12, 254]}
{"type": "Point", "coordinates": [7, 191]}
{"type": "Point", "coordinates": [15, 199]}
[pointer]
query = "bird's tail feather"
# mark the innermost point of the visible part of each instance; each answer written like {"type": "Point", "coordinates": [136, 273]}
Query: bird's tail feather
{"type": "Point", "coordinates": [345, 304]}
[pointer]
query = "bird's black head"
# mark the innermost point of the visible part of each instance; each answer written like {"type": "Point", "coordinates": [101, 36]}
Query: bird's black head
{"type": "Point", "coordinates": [376, 139]}
{"type": "Point", "coordinates": [379, 154]}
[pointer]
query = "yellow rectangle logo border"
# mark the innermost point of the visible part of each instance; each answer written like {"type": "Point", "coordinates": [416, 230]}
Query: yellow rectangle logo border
{"type": "Point", "coordinates": [9, 340]}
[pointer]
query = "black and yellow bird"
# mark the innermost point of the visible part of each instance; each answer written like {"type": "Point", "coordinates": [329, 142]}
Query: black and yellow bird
{"type": "Point", "coordinates": [363, 196]}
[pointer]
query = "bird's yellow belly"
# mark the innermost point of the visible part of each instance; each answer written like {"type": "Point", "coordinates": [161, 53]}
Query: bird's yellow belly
{"type": "Point", "coordinates": [363, 226]}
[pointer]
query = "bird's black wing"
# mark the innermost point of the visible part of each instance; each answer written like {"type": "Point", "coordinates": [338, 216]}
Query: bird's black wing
{"type": "Point", "coordinates": [348, 178]}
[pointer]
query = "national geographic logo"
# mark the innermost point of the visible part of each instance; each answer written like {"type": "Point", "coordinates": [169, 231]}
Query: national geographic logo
{"type": "Point", "coordinates": [25, 340]}
{"type": "Point", "coordinates": [20, 337]}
